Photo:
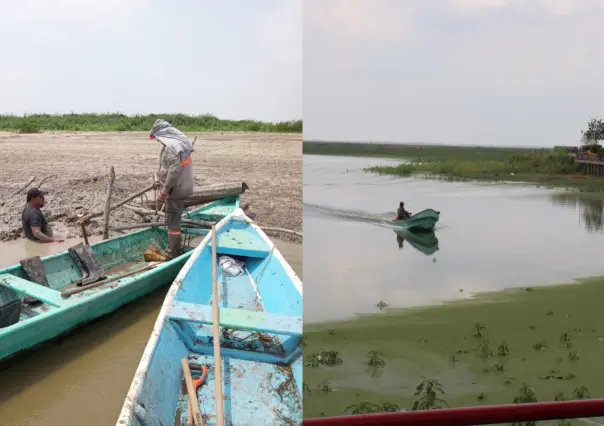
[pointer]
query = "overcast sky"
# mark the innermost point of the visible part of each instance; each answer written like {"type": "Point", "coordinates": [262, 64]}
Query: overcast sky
{"type": "Point", "coordinates": [234, 59]}
{"type": "Point", "coordinates": [487, 72]}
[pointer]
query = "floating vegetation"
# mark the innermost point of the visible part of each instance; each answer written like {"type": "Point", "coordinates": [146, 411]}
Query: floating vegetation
{"type": "Point", "coordinates": [573, 356]}
{"type": "Point", "coordinates": [375, 359]}
{"type": "Point", "coordinates": [331, 332]}
{"type": "Point", "coordinates": [559, 396]}
{"type": "Point", "coordinates": [484, 350]}
{"type": "Point", "coordinates": [427, 395]}
{"type": "Point", "coordinates": [509, 380]}
{"type": "Point", "coordinates": [550, 313]}
{"type": "Point", "coordinates": [526, 394]}
{"type": "Point", "coordinates": [481, 397]}
{"type": "Point", "coordinates": [324, 387]}
{"type": "Point", "coordinates": [306, 390]}
{"type": "Point", "coordinates": [329, 358]}
{"type": "Point", "coordinates": [478, 329]}
{"type": "Point", "coordinates": [581, 393]}
{"type": "Point", "coordinates": [368, 408]}
{"type": "Point", "coordinates": [503, 349]}
{"type": "Point", "coordinates": [495, 367]}
{"type": "Point", "coordinates": [540, 346]}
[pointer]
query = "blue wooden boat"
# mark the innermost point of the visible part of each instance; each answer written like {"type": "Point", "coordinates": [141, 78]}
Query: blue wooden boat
{"type": "Point", "coordinates": [260, 308]}
{"type": "Point", "coordinates": [127, 278]}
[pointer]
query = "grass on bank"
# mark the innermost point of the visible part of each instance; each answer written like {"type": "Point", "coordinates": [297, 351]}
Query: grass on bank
{"type": "Point", "coordinates": [37, 123]}
{"type": "Point", "coordinates": [541, 344]}
{"type": "Point", "coordinates": [547, 167]}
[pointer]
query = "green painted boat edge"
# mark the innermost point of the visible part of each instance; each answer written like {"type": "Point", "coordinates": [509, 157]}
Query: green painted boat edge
{"type": "Point", "coordinates": [144, 283]}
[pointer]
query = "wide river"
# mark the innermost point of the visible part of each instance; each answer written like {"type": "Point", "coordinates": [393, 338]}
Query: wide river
{"type": "Point", "coordinates": [490, 237]}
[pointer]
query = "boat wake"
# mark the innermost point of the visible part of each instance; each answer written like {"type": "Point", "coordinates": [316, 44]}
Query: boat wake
{"type": "Point", "coordinates": [348, 215]}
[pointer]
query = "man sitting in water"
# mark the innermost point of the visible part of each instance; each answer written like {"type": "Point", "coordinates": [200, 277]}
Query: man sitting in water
{"type": "Point", "coordinates": [35, 225]}
{"type": "Point", "coordinates": [401, 213]}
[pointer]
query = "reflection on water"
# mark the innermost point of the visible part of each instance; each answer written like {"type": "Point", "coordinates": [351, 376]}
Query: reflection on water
{"type": "Point", "coordinates": [424, 242]}
{"type": "Point", "coordinates": [591, 207]}
{"type": "Point", "coordinates": [489, 237]}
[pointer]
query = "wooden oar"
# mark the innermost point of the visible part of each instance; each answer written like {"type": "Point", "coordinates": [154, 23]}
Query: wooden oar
{"type": "Point", "coordinates": [71, 291]}
{"type": "Point", "coordinates": [216, 322]}
{"type": "Point", "coordinates": [193, 402]}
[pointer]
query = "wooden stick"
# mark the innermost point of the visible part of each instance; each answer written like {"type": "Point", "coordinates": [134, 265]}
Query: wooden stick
{"type": "Point", "coordinates": [216, 322]}
{"type": "Point", "coordinates": [44, 179]}
{"type": "Point", "coordinates": [148, 225]}
{"type": "Point", "coordinates": [23, 187]}
{"type": "Point", "coordinates": [84, 234]}
{"type": "Point", "coordinates": [108, 203]}
{"type": "Point", "coordinates": [202, 223]}
{"type": "Point", "coordinates": [193, 402]}
{"type": "Point", "coordinates": [118, 205]}
{"type": "Point", "coordinates": [71, 291]}
{"type": "Point", "coordinates": [283, 230]}
{"type": "Point", "coordinates": [193, 143]}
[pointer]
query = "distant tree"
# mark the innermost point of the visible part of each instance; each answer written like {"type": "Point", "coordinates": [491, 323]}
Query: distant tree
{"type": "Point", "coordinates": [594, 132]}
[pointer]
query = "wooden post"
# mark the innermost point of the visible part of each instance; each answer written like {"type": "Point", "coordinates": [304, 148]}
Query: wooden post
{"type": "Point", "coordinates": [216, 322]}
{"type": "Point", "coordinates": [108, 203]}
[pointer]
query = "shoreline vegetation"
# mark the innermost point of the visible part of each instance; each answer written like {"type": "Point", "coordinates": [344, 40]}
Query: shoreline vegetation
{"type": "Point", "coordinates": [115, 122]}
{"type": "Point", "coordinates": [511, 346]}
{"type": "Point", "coordinates": [541, 166]}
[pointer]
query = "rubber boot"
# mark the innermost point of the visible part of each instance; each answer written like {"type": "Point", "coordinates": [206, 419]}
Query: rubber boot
{"type": "Point", "coordinates": [173, 246]}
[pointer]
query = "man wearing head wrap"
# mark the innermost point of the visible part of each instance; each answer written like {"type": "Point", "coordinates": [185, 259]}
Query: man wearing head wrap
{"type": "Point", "coordinates": [175, 177]}
{"type": "Point", "coordinates": [401, 213]}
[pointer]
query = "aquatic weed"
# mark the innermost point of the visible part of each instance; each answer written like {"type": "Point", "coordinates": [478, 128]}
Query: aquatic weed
{"type": "Point", "coordinates": [581, 392]}
{"type": "Point", "coordinates": [559, 397]}
{"type": "Point", "coordinates": [503, 349]}
{"type": "Point", "coordinates": [481, 397]}
{"type": "Point", "coordinates": [484, 350]}
{"type": "Point", "coordinates": [479, 327]}
{"type": "Point", "coordinates": [427, 395]}
{"type": "Point", "coordinates": [375, 359]}
{"type": "Point", "coordinates": [368, 408]}
{"type": "Point", "coordinates": [306, 390]}
{"type": "Point", "coordinates": [324, 387]}
{"type": "Point", "coordinates": [509, 380]}
{"type": "Point", "coordinates": [329, 358]}
{"type": "Point", "coordinates": [573, 356]}
{"type": "Point", "coordinates": [541, 345]}
{"type": "Point", "coordinates": [526, 394]}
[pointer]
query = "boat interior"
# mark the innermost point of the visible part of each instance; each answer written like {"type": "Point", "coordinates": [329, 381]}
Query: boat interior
{"type": "Point", "coordinates": [35, 286]}
{"type": "Point", "coordinates": [261, 333]}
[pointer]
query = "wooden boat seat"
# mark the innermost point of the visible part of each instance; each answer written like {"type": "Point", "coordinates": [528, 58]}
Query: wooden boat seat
{"type": "Point", "coordinates": [45, 294]}
{"type": "Point", "coordinates": [239, 242]}
{"type": "Point", "coordinates": [240, 319]}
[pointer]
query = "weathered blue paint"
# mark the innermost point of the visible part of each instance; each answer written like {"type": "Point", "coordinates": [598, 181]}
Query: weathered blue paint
{"type": "Point", "coordinates": [57, 316]}
{"type": "Point", "coordinates": [261, 332]}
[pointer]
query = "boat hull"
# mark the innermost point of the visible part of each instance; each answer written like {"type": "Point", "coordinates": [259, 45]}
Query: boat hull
{"type": "Point", "coordinates": [261, 325]}
{"type": "Point", "coordinates": [425, 221]}
{"type": "Point", "coordinates": [50, 322]}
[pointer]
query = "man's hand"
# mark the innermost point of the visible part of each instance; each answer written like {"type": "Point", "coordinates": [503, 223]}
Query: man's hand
{"type": "Point", "coordinates": [161, 196]}
{"type": "Point", "coordinates": [156, 185]}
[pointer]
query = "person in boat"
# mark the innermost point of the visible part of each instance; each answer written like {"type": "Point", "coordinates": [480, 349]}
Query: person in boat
{"type": "Point", "coordinates": [35, 226]}
{"type": "Point", "coordinates": [175, 177]}
{"type": "Point", "coordinates": [401, 213]}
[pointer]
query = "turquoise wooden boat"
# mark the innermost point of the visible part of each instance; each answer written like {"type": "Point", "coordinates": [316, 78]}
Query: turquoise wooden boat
{"type": "Point", "coordinates": [425, 220]}
{"type": "Point", "coordinates": [119, 257]}
{"type": "Point", "coordinates": [261, 325]}
{"type": "Point", "coordinates": [423, 241]}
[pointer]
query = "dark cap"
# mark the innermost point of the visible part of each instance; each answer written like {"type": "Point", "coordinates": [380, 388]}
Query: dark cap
{"type": "Point", "coordinates": [401, 203]}
{"type": "Point", "coordinates": [33, 193]}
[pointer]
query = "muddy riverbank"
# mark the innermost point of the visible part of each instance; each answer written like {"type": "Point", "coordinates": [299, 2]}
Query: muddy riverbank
{"type": "Point", "coordinates": [74, 169]}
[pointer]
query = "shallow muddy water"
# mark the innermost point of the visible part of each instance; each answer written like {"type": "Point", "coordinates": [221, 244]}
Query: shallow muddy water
{"type": "Point", "coordinates": [82, 379]}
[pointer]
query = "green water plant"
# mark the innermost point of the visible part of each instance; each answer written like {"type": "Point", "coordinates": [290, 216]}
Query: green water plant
{"type": "Point", "coordinates": [479, 327]}
{"type": "Point", "coordinates": [428, 395]}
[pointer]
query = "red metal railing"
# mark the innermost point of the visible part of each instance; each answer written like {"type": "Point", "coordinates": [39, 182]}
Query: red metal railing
{"type": "Point", "coordinates": [467, 416]}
